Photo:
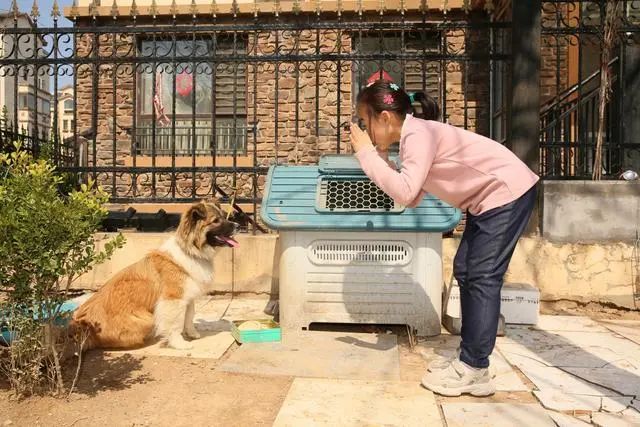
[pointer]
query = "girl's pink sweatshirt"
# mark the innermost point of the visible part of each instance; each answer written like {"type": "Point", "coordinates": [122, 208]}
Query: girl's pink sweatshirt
{"type": "Point", "coordinates": [462, 168]}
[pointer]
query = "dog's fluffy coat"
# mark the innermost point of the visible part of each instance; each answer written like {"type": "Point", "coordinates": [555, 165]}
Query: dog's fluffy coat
{"type": "Point", "coordinates": [156, 294]}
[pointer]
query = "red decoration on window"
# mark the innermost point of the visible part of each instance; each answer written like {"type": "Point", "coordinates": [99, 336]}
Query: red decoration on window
{"type": "Point", "coordinates": [184, 83]}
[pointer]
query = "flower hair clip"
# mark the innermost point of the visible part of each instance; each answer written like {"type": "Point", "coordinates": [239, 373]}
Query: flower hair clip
{"type": "Point", "coordinates": [388, 99]}
{"type": "Point", "coordinates": [394, 86]}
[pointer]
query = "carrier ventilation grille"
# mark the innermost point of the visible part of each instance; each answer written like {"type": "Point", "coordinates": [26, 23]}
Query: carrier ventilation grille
{"type": "Point", "coordinates": [360, 252]}
{"type": "Point", "coordinates": [353, 194]}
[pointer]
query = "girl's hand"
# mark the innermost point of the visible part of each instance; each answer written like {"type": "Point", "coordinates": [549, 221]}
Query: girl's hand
{"type": "Point", "coordinates": [359, 138]}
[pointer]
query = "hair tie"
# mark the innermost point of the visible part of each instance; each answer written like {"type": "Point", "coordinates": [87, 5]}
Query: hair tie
{"type": "Point", "coordinates": [394, 86]}
{"type": "Point", "coordinates": [412, 96]}
{"type": "Point", "coordinates": [388, 99]}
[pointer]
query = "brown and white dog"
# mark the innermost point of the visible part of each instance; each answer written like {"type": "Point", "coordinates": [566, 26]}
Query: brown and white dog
{"type": "Point", "coordinates": [155, 296]}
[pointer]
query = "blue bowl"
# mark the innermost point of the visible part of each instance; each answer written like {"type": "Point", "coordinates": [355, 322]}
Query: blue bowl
{"type": "Point", "coordinates": [62, 319]}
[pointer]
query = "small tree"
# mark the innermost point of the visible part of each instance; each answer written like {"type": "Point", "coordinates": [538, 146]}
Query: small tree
{"type": "Point", "coordinates": [611, 26]}
{"type": "Point", "coordinates": [46, 243]}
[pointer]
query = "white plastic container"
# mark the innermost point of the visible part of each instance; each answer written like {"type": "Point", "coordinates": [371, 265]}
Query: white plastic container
{"type": "Point", "coordinates": [361, 277]}
{"type": "Point", "coordinates": [520, 303]}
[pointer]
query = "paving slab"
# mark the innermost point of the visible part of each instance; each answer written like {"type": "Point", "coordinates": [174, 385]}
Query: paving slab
{"type": "Point", "coordinates": [321, 355]}
{"type": "Point", "coordinates": [333, 402]}
{"type": "Point", "coordinates": [212, 345]}
{"type": "Point", "coordinates": [630, 329]}
{"type": "Point", "coordinates": [564, 420]}
{"type": "Point", "coordinates": [495, 415]}
{"type": "Point", "coordinates": [212, 309]}
{"type": "Point", "coordinates": [624, 381]}
{"type": "Point", "coordinates": [603, 419]}
{"type": "Point", "coordinates": [550, 378]}
{"type": "Point", "coordinates": [568, 324]}
{"type": "Point", "coordinates": [558, 401]}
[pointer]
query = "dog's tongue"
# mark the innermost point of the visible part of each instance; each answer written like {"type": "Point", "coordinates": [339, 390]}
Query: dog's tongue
{"type": "Point", "coordinates": [229, 241]}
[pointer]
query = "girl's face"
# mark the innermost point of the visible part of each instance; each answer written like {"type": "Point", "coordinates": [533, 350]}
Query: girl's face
{"type": "Point", "coordinates": [383, 129]}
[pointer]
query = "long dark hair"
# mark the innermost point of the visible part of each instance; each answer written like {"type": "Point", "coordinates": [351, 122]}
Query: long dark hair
{"type": "Point", "coordinates": [383, 95]}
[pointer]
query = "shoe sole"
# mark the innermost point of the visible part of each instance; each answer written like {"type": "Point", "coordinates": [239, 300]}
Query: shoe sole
{"type": "Point", "coordinates": [478, 390]}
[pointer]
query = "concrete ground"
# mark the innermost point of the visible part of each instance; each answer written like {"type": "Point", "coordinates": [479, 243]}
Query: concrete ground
{"type": "Point", "coordinates": [565, 371]}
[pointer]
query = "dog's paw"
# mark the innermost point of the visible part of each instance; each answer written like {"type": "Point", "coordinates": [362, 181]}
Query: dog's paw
{"type": "Point", "coordinates": [192, 333]}
{"type": "Point", "coordinates": [179, 344]}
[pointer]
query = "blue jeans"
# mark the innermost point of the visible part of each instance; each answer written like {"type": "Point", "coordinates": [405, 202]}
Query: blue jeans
{"type": "Point", "coordinates": [483, 256]}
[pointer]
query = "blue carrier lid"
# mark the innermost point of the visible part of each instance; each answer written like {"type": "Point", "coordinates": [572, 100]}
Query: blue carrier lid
{"type": "Point", "coordinates": [342, 198]}
{"type": "Point", "coordinates": [344, 163]}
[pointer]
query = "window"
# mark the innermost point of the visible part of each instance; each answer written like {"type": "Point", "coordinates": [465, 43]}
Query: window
{"type": "Point", "coordinates": [45, 106]}
{"type": "Point", "coordinates": [65, 125]}
{"type": "Point", "coordinates": [196, 93]}
{"type": "Point", "coordinates": [68, 105]}
{"type": "Point", "coordinates": [27, 101]}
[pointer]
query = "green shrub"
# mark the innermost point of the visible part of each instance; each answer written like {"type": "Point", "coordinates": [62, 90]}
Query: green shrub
{"type": "Point", "coordinates": [46, 242]}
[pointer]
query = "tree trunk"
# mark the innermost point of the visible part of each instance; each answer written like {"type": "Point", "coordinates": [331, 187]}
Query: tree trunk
{"type": "Point", "coordinates": [610, 31]}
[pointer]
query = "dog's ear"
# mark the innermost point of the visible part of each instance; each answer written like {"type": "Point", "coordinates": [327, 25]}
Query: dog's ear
{"type": "Point", "coordinates": [197, 212]}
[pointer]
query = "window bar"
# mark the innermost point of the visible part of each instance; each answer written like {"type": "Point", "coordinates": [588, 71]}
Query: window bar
{"type": "Point", "coordinates": [339, 81]}
{"type": "Point", "coordinates": [255, 135]}
{"type": "Point", "coordinates": [155, 69]}
{"type": "Point", "coordinates": [94, 109]}
{"type": "Point", "coordinates": [114, 121]}
{"type": "Point", "coordinates": [317, 69]}
{"type": "Point", "coordinates": [234, 131]}
{"type": "Point", "coordinates": [134, 128]}
{"type": "Point", "coordinates": [36, 89]}
{"type": "Point", "coordinates": [54, 131]}
{"type": "Point", "coordinates": [214, 89]}
{"type": "Point", "coordinates": [277, 97]}
{"type": "Point", "coordinates": [16, 68]}
{"type": "Point", "coordinates": [174, 79]}
{"type": "Point", "coordinates": [194, 85]}
{"type": "Point", "coordinates": [443, 76]}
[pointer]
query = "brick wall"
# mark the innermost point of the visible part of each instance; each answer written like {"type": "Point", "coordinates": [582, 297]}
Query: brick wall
{"type": "Point", "coordinates": [291, 83]}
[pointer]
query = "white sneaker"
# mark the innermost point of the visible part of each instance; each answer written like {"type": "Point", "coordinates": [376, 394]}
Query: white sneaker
{"type": "Point", "coordinates": [442, 362]}
{"type": "Point", "coordinates": [458, 378]}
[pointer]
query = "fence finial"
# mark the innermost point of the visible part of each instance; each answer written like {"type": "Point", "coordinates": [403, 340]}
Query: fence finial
{"type": "Point", "coordinates": [423, 6]}
{"type": "Point", "coordinates": [296, 7]}
{"type": "Point", "coordinates": [489, 6]}
{"type": "Point", "coordinates": [174, 9]}
{"type": "Point", "coordinates": [318, 7]}
{"type": "Point", "coordinates": [193, 9]}
{"type": "Point", "coordinates": [445, 6]}
{"type": "Point", "coordinates": [153, 10]}
{"type": "Point", "coordinates": [133, 11]}
{"type": "Point", "coordinates": [466, 6]}
{"type": "Point", "coordinates": [15, 10]}
{"type": "Point", "coordinates": [74, 10]}
{"type": "Point", "coordinates": [114, 9]}
{"type": "Point", "coordinates": [276, 7]}
{"type": "Point", "coordinates": [35, 10]}
{"type": "Point", "coordinates": [235, 8]}
{"type": "Point", "coordinates": [381, 7]}
{"type": "Point", "coordinates": [55, 10]}
{"type": "Point", "coordinates": [93, 9]}
{"type": "Point", "coordinates": [359, 5]}
{"type": "Point", "coordinates": [214, 8]}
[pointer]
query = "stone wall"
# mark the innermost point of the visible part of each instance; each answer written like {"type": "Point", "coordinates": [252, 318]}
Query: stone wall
{"type": "Point", "coordinates": [605, 273]}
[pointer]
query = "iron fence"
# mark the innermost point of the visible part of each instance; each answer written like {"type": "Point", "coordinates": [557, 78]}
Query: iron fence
{"type": "Point", "coordinates": [186, 105]}
{"type": "Point", "coordinates": [573, 39]}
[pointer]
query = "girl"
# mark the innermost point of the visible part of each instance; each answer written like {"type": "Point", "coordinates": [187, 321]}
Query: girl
{"type": "Point", "coordinates": [468, 171]}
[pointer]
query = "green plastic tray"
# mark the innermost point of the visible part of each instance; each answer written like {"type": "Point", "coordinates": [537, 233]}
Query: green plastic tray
{"type": "Point", "coordinates": [270, 334]}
